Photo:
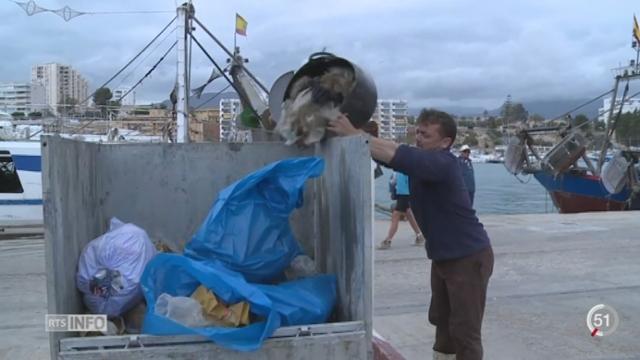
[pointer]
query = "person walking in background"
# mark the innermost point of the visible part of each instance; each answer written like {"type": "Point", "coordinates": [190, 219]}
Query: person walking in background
{"type": "Point", "coordinates": [402, 208]}
{"type": "Point", "coordinates": [467, 171]}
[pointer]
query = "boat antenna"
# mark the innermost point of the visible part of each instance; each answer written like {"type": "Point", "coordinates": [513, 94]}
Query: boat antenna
{"type": "Point", "coordinates": [611, 125]}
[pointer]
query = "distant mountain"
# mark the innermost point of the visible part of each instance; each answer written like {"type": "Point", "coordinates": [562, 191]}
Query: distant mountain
{"type": "Point", "coordinates": [206, 101]}
{"type": "Point", "coordinates": [554, 108]}
{"type": "Point", "coordinates": [548, 108]}
{"type": "Point", "coordinates": [455, 110]}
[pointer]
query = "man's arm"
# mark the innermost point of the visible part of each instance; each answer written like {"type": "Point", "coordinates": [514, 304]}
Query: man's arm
{"type": "Point", "coordinates": [424, 165]}
{"type": "Point", "coordinates": [381, 150]}
{"type": "Point", "coordinates": [421, 164]}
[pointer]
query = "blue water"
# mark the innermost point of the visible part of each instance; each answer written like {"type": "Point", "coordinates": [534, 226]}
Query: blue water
{"type": "Point", "coordinates": [497, 192]}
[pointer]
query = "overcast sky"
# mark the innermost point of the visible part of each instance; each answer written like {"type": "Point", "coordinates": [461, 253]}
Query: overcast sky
{"type": "Point", "coordinates": [430, 52]}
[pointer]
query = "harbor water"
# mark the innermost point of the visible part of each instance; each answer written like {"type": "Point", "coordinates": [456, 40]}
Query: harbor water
{"type": "Point", "coordinates": [497, 192]}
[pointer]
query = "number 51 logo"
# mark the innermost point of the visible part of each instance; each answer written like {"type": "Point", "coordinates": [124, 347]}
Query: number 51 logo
{"type": "Point", "coordinates": [602, 320]}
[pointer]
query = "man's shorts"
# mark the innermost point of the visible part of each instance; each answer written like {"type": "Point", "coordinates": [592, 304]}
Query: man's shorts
{"type": "Point", "coordinates": [402, 203]}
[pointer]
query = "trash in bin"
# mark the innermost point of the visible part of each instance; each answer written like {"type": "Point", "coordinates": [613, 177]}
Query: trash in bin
{"type": "Point", "coordinates": [245, 239]}
{"type": "Point", "coordinates": [217, 313]}
{"type": "Point", "coordinates": [181, 309]}
{"type": "Point", "coordinates": [178, 275]}
{"type": "Point", "coordinates": [302, 302]}
{"type": "Point", "coordinates": [134, 318]}
{"type": "Point", "coordinates": [301, 267]}
{"type": "Point", "coordinates": [110, 267]}
{"type": "Point", "coordinates": [247, 229]}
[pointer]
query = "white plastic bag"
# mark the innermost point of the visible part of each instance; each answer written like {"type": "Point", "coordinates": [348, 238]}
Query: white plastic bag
{"type": "Point", "coordinates": [184, 310]}
{"type": "Point", "coordinates": [110, 267]}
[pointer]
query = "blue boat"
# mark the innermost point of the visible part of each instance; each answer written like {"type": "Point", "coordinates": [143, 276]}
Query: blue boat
{"type": "Point", "coordinates": [580, 192]}
{"type": "Point", "coordinates": [573, 182]}
{"type": "Point", "coordinates": [576, 181]}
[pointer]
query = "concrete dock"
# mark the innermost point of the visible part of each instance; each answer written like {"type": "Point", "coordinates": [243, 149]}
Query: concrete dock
{"type": "Point", "coordinates": [549, 271]}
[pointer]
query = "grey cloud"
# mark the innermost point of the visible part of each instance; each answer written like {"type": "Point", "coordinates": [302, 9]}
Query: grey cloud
{"type": "Point", "coordinates": [435, 52]}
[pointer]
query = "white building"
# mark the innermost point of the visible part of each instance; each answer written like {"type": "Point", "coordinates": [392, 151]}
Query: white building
{"type": "Point", "coordinates": [392, 116]}
{"type": "Point", "coordinates": [20, 97]}
{"type": "Point", "coordinates": [61, 83]}
{"type": "Point", "coordinates": [630, 105]}
{"type": "Point", "coordinates": [15, 97]}
{"type": "Point", "coordinates": [129, 100]}
{"type": "Point", "coordinates": [229, 110]}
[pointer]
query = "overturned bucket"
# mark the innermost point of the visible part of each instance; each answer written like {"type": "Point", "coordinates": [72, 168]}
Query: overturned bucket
{"type": "Point", "coordinates": [303, 103]}
{"type": "Point", "coordinates": [359, 103]}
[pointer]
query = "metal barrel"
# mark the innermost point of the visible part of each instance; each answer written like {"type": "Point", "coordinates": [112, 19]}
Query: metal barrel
{"type": "Point", "coordinates": [360, 103]}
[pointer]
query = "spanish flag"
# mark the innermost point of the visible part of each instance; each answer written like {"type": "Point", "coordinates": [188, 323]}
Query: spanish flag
{"type": "Point", "coordinates": [636, 29]}
{"type": "Point", "coordinates": [241, 25]}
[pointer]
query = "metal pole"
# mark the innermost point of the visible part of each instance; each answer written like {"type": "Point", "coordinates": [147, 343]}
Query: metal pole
{"type": "Point", "coordinates": [182, 105]}
{"type": "Point", "coordinates": [605, 145]}
{"type": "Point", "coordinates": [230, 54]}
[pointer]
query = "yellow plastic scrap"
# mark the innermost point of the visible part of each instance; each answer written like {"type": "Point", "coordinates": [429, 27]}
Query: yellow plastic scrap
{"type": "Point", "coordinates": [217, 312]}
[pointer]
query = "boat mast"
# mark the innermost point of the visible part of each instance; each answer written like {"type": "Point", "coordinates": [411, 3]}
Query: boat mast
{"type": "Point", "coordinates": [182, 106]}
{"type": "Point", "coordinates": [605, 144]}
{"type": "Point", "coordinates": [628, 73]}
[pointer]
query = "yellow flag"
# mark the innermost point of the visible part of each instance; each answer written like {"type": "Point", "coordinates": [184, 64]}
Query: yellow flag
{"type": "Point", "coordinates": [241, 25]}
{"type": "Point", "coordinates": [636, 29]}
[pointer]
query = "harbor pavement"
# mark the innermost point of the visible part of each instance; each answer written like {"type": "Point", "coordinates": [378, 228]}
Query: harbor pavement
{"type": "Point", "coordinates": [550, 270]}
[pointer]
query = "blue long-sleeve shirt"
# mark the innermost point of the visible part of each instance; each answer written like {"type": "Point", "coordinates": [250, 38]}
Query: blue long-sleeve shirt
{"type": "Point", "coordinates": [440, 203]}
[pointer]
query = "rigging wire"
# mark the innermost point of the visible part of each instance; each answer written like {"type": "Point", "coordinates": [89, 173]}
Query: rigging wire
{"type": "Point", "coordinates": [118, 72]}
{"type": "Point", "coordinates": [144, 59]}
{"type": "Point", "coordinates": [136, 85]}
{"type": "Point", "coordinates": [130, 61]}
{"type": "Point", "coordinates": [213, 97]}
{"type": "Point", "coordinates": [582, 105]}
{"type": "Point", "coordinates": [150, 70]}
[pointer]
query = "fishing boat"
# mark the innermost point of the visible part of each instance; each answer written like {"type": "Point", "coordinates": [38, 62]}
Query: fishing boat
{"type": "Point", "coordinates": [578, 180]}
{"type": "Point", "coordinates": [20, 182]}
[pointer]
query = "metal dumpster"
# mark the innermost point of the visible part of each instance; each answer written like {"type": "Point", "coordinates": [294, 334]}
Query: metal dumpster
{"type": "Point", "coordinates": [167, 189]}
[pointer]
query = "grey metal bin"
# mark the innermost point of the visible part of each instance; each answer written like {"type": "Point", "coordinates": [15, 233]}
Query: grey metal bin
{"type": "Point", "coordinates": [167, 189]}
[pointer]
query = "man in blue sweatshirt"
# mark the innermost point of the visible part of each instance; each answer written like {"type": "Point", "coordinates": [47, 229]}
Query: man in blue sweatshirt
{"type": "Point", "coordinates": [457, 244]}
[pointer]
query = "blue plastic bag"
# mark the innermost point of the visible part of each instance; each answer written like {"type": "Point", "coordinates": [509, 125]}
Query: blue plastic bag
{"type": "Point", "coordinates": [248, 229]}
{"type": "Point", "coordinates": [303, 302]}
{"type": "Point", "coordinates": [300, 302]}
{"type": "Point", "coordinates": [178, 275]}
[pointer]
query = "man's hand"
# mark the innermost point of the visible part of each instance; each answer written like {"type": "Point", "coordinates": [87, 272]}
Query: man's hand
{"type": "Point", "coordinates": [341, 126]}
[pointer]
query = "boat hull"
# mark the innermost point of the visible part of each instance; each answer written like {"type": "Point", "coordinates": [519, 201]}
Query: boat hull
{"type": "Point", "coordinates": [26, 206]}
{"type": "Point", "coordinates": [575, 193]}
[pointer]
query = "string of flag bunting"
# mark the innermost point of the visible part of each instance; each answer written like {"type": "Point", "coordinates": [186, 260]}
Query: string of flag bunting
{"type": "Point", "coordinates": [31, 8]}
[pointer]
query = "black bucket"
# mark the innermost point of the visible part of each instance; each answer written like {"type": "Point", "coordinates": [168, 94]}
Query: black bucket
{"type": "Point", "coordinates": [360, 103]}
